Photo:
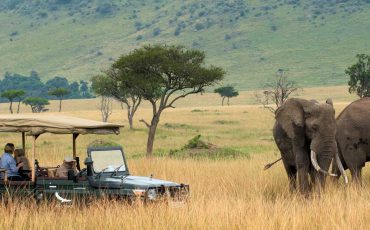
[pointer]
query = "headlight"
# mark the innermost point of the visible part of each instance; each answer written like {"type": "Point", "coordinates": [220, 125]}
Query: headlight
{"type": "Point", "coordinates": [139, 192]}
{"type": "Point", "coordinates": [152, 194]}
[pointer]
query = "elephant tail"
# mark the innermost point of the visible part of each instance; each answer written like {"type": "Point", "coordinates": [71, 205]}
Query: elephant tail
{"type": "Point", "coordinates": [271, 164]}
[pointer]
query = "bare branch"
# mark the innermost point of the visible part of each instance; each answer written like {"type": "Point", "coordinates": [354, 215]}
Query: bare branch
{"type": "Point", "coordinates": [194, 91]}
{"type": "Point", "coordinates": [146, 123]}
{"type": "Point", "coordinates": [105, 107]}
{"type": "Point", "coordinates": [277, 92]}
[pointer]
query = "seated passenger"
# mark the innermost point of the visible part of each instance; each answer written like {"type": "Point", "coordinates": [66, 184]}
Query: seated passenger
{"type": "Point", "coordinates": [7, 162]}
{"type": "Point", "coordinates": [19, 157]}
{"type": "Point", "coordinates": [25, 171]}
{"type": "Point", "coordinates": [68, 164]}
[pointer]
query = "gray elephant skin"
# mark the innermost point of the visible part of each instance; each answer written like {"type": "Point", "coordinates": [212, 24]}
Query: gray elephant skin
{"type": "Point", "coordinates": [304, 133]}
{"type": "Point", "coordinates": [353, 137]}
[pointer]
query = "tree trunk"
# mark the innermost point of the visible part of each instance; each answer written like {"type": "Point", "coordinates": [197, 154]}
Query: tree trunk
{"type": "Point", "coordinates": [130, 116]}
{"type": "Point", "coordinates": [130, 121]}
{"type": "Point", "coordinates": [60, 105]}
{"type": "Point", "coordinates": [223, 98]}
{"type": "Point", "coordinates": [151, 135]}
{"type": "Point", "coordinates": [11, 106]}
{"type": "Point", "coordinates": [228, 99]}
{"type": "Point", "coordinates": [19, 105]}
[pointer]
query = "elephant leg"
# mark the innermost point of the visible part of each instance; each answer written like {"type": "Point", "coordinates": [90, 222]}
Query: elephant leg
{"type": "Point", "coordinates": [313, 176]}
{"type": "Point", "coordinates": [303, 163]}
{"type": "Point", "coordinates": [356, 175]}
{"type": "Point", "coordinates": [355, 157]}
{"type": "Point", "coordinates": [292, 175]}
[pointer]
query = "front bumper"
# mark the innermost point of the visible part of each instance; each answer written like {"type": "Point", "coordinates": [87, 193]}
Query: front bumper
{"type": "Point", "coordinates": [170, 193]}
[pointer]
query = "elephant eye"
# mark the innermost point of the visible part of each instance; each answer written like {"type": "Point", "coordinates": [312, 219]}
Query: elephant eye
{"type": "Point", "coordinates": [315, 127]}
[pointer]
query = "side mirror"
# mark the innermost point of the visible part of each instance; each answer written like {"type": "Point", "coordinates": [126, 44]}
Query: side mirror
{"type": "Point", "coordinates": [89, 166]}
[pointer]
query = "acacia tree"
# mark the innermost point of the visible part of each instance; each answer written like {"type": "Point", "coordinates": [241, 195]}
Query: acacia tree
{"type": "Point", "coordinates": [11, 95]}
{"type": "Point", "coordinates": [162, 75]}
{"type": "Point", "coordinates": [59, 93]}
{"type": "Point", "coordinates": [359, 74]}
{"type": "Point", "coordinates": [226, 92]}
{"type": "Point", "coordinates": [105, 85]}
{"type": "Point", "coordinates": [37, 104]}
{"type": "Point", "coordinates": [277, 92]}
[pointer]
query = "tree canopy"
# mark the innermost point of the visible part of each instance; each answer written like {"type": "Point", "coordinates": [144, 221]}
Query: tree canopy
{"type": "Point", "coordinates": [11, 95]}
{"type": "Point", "coordinates": [37, 104]}
{"type": "Point", "coordinates": [226, 92]}
{"type": "Point", "coordinates": [34, 87]}
{"type": "Point", "coordinates": [359, 74]}
{"type": "Point", "coordinates": [59, 93]}
{"type": "Point", "coordinates": [105, 85]}
{"type": "Point", "coordinates": [162, 75]}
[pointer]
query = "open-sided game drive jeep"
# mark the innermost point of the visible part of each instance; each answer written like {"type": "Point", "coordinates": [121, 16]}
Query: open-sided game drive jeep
{"type": "Point", "coordinates": [105, 174]}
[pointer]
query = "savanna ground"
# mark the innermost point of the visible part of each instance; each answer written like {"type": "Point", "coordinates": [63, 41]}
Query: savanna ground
{"type": "Point", "coordinates": [226, 193]}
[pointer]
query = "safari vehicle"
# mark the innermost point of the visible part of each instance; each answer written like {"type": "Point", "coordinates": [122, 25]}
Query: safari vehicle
{"type": "Point", "coordinates": [106, 173]}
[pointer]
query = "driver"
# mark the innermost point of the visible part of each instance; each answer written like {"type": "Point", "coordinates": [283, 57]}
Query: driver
{"type": "Point", "coordinates": [68, 164]}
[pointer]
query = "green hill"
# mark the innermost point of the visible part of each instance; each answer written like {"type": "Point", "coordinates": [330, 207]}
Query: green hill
{"type": "Point", "coordinates": [313, 40]}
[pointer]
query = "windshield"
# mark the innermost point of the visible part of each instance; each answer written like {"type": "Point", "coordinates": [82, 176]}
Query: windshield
{"type": "Point", "coordinates": [108, 160]}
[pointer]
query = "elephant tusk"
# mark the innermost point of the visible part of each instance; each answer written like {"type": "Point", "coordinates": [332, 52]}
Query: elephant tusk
{"type": "Point", "coordinates": [316, 165]}
{"type": "Point", "coordinates": [341, 168]}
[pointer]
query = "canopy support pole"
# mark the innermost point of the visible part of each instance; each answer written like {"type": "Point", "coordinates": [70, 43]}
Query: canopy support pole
{"type": "Point", "coordinates": [24, 141]}
{"type": "Point", "coordinates": [75, 135]}
{"type": "Point", "coordinates": [33, 156]}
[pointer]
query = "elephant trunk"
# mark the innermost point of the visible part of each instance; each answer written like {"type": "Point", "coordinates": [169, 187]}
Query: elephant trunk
{"type": "Point", "coordinates": [317, 166]}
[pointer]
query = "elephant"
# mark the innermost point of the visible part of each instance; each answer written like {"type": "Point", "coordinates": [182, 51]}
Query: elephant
{"type": "Point", "coordinates": [304, 132]}
{"type": "Point", "coordinates": [353, 137]}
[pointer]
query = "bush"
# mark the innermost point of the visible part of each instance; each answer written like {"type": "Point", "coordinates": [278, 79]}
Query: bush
{"type": "Point", "coordinates": [43, 14]}
{"type": "Point", "coordinates": [105, 9]}
{"type": "Point", "coordinates": [197, 148]}
{"type": "Point", "coordinates": [177, 31]}
{"type": "Point", "coordinates": [199, 26]}
{"type": "Point", "coordinates": [227, 37]}
{"type": "Point", "coordinates": [156, 31]}
{"type": "Point", "coordinates": [196, 142]}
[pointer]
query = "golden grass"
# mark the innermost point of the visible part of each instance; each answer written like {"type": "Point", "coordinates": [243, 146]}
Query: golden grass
{"type": "Point", "coordinates": [225, 194]}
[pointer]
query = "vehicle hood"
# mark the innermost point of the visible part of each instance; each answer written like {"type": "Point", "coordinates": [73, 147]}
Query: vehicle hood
{"type": "Point", "coordinates": [131, 182]}
{"type": "Point", "coordinates": [147, 181]}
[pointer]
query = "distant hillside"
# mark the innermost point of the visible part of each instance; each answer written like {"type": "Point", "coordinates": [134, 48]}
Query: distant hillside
{"type": "Point", "coordinates": [313, 40]}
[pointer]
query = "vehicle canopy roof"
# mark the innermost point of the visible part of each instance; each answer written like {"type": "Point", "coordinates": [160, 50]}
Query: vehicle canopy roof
{"type": "Point", "coordinates": [37, 124]}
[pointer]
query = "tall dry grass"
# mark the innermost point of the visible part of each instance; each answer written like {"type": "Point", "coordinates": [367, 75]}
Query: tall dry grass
{"type": "Point", "coordinates": [225, 193]}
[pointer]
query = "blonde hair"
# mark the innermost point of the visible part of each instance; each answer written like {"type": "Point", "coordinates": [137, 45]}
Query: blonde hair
{"type": "Point", "coordinates": [19, 153]}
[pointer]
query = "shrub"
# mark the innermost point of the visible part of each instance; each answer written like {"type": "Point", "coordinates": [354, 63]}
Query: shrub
{"type": "Point", "coordinates": [227, 37]}
{"type": "Point", "coordinates": [199, 26]}
{"type": "Point", "coordinates": [105, 9]}
{"type": "Point", "coordinates": [177, 31]}
{"type": "Point", "coordinates": [156, 31]}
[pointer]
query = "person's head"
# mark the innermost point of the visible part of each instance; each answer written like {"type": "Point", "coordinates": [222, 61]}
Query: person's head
{"type": "Point", "coordinates": [9, 148]}
{"type": "Point", "coordinates": [69, 161]}
{"type": "Point", "coordinates": [19, 153]}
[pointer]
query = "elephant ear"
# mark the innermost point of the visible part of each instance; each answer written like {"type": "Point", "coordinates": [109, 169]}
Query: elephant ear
{"type": "Point", "coordinates": [291, 115]}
